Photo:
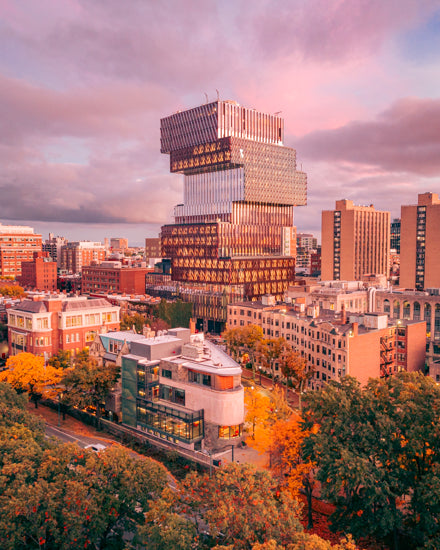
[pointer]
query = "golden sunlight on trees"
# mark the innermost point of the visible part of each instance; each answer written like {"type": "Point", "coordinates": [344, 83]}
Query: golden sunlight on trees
{"type": "Point", "coordinates": [258, 408]}
{"type": "Point", "coordinates": [27, 372]}
{"type": "Point", "coordinates": [270, 351]}
{"type": "Point", "coordinates": [12, 291]}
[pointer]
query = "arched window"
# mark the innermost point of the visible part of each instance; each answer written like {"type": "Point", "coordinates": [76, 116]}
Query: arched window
{"type": "Point", "coordinates": [406, 310]}
{"type": "Point", "coordinates": [437, 322]}
{"type": "Point", "coordinates": [396, 309]}
{"type": "Point", "coordinates": [416, 311]}
{"type": "Point", "coordinates": [386, 306]}
{"type": "Point", "coordinates": [427, 315]}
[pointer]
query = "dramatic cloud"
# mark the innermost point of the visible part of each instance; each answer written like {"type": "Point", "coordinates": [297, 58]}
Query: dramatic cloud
{"type": "Point", "coordinates": [404, 138]}
{"type": "Point", "coordinates": [84, 83]}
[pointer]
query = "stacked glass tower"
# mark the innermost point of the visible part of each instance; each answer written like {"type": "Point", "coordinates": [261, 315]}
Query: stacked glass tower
{"type": "Point", "coordinates": [235, 227]}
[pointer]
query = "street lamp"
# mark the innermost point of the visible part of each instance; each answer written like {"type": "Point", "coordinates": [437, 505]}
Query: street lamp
{"type": "Point", "coordinates": [261, 369]}
{"type": "Point", "coordinates": [60, 396]}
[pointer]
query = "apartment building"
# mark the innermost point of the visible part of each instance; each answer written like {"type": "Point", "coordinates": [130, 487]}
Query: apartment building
{"type": "Point", "coordinates": [355, 242]}
{"type": "Point", "coordinates": [110, 277]}
{"type": "Point", "coordinates": [364, 345]}
{"type": "Point", "coordinates": [40, 273]}
{"type": "Point", "coordinates": [77, 254]}
{"type": "Point", "coordinates": [420, 243]}
{"type": "Point", "coordinates": [53, 247]}
{"type": "Point", "coordinates": [176, 386]}
{"type": "Point", "coordinates": [46, 324]}
{"type": "Point", "coordinates": [17, 244]}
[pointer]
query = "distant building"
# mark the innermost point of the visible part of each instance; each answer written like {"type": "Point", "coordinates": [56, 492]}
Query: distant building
{"type": "Point", "coordinates": [420, 243]}
{"type": "Point", "coordinates": [53, 246]}
{"type": "Point", "coordinates": [355, 242]}
{"type": "Point", "coordinates": [110, 277]}
{"type": "Point", "coordinates": [77, 254]}
{"type": "Point", "coordinates": [40, 273]}
{"type": "Point", "coordinates": [365, 346]}
{"type": "Point", "coordinates": [17, 244]}
{"type": "Point", "coordinates": [118, 244]}
{"type": "Point", "coordinates": [152, 248]}
{"type": "Point", "coordinates": [45, 325]}
{"type": "Point", "coordinates": [395, 235]}
{"type": "Point", "coordinates": [176, 387]}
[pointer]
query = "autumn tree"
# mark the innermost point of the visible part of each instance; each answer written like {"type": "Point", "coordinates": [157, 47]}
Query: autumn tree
{"type": "Point", "coordinates": [287, 462]}
{"type": "Point", "coordinates": [257, 409]}
{"type": "Point", "coordinates": [27, 372]}
{"type": "Point", "coordinates": [61, 360]}
{"type": "Point", "coordinates": [136, 320]}
{"type": "Point", "coordinates": [238, 506]}
{"type": "Point", "coordinates": [378, 455]}
{"type": "Point", "coordinates": [270, 352]}
{"type": "Point", "coordinates": [12, 291]}
{"type": "Point", "coordinates": [296, 370]}
{"type": "Point", "coordinates": [88, 384]}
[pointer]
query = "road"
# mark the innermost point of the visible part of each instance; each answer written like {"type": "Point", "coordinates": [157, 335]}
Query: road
{"type": "Point", "coordinates": [69, 437]}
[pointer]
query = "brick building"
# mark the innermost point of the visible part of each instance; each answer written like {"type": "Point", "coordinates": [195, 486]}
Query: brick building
{"type": "Point", "coordinates": [355, 242]}
{"type": "Point", "coordinates": [17, 244]}
{"type": "Point", "coordinates": [45, 325]}
{"type": "Point", "coordinates": [109, 277]}
{"type": "Point", "coordinates": [365, 346]}
{"type": "Point", "coordinates": [77, 254]}
{"type": "Point", "coordinates": [40, 273]}
{"type": "Point", "coordinates": [420, 243]}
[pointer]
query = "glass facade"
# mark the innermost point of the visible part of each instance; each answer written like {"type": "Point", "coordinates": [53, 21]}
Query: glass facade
{"type": "Point", "coordinates": [235, 226]}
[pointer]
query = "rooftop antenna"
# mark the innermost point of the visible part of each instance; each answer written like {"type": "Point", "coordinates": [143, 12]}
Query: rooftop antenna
{"type": "Point", "coordinates": [206, 95]}
{"type": "Point", "coordinates": [218, 95]}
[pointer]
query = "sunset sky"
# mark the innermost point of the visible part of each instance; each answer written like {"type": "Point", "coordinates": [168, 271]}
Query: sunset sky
{"type": "Point", "coordinates": [84, 83]}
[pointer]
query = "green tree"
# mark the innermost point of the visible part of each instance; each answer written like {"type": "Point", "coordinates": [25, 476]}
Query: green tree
{"type": "Point", "coordinates": [378, 454]}
{"type": "Point", "coordinates": [27, 372]}
{"type": "Point", "coordinates": [135, 320]}
{"type": "Point", "coordinates": [62, 360]}
{"type": "Point", "coordinates": [88, 384]}
{"type": "Point", "coordinates": [239, 506]}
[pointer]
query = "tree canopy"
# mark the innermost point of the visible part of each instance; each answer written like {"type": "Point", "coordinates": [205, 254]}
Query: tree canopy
{"type": "Point", "coordinates": [378, 456]}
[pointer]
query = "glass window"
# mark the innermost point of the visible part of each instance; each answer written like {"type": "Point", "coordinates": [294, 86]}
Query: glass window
{"type": "Point", "coordinates": [166, 373]}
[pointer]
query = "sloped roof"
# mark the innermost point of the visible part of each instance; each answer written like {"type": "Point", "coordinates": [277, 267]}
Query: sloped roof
{"type": "Point", "coordinates": [85, 304]}
{"type": "Point", "coordinates": [31, 307]}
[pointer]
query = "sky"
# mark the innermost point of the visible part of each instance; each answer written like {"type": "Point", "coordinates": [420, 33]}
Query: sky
{"type": "Point", "coordinates": [84, 83]}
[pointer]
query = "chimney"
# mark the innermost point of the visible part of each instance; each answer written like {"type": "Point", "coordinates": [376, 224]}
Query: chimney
{"type": "Point", "coordinates": [192, 326]}
{"type": "Point", "coordinates": [354, 328]}
{"type": "Point", "coordinates": [343, 314]}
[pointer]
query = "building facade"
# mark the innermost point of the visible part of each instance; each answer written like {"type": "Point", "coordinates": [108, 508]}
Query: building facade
{"type": "Point", "coordinates": [355, 242]}
{"type": "Point", "coordinates": [77, 254]}
{"type": "Point", "coordinates": [395, 235]}
{"type": "Point", "coordinates": [364, 345]}
{"type": "Point", "coordinates": [110, 277]}
{"type": "Point", "coordinates": [235, 226]}
{"type": "Point", "coordinates": [420, 243]}
{"type": "Point", "coordinates": [176, 387]}
{"type": "Point", "coordinates": [40, 273]}
{"type": "Point", "coordinates": [17, 244]}
{"type": "Point", "coordinates": [53, 247]}
{"type": "Point", "coordinates": [46, 325]}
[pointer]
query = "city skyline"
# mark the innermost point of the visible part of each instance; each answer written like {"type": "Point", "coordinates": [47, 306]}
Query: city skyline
{"type": "Point", "coordinates": [83, 86]}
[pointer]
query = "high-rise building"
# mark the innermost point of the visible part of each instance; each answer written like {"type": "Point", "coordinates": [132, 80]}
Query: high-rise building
{"type": "Point", "coordinates": [17, 244]}
{"type": "Point", "coordinates": [118, 244]}
{"type": "Point", "coordinates": [355, 242]}
{"type": "Point", "coordinates": [234, 231]}
{"type": "Point", "coordinates": [395, 235]}
{"type": "Point", "coordinates": [53, 246]}
{"type": "Point", "coordinates": [420, 243]}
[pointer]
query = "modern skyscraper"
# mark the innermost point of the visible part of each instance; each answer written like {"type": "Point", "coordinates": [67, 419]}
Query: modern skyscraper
{"type": "Point", "coordinates": [355, 242]}
{"type": "Point", "coordinates": [234, 229]}
{"type": "Point", "coordinates": [420, 243]}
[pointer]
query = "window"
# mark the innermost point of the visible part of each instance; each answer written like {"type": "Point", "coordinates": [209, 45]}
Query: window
{"type": "Point", "coordinates": [166, 373]}
{"type": "Point", "coordinates": [174, 395]}
{"type": "Point", "coordinates": [199, 378]}
{"type": "Point", "coordinates": [229, 432]}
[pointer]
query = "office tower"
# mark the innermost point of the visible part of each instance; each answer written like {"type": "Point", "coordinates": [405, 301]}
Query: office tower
{"type": "Point", "coordinates": [355, 242]}
{"type": "Point", "coordinates": [17, 244]}
{"type": "Point", "coordinates": [53, 246]}
{"type": "Point", "coordinates": [234, 230]}
{"type": "Point", "coordinates": [395, 235]}
{"type": "Point", "coordinates": [420, 243]}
